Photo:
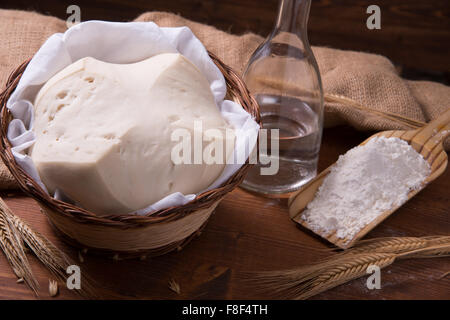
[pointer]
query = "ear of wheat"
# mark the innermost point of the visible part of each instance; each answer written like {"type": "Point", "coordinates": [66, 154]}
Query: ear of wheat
{"type": "Point", "coordinates": [53, 258]}
{"type": "Point", "coordinates": [396, 244]}
{"type": "Point", "coordinates": [12, 245]}
{"type": "Point", "coordinates": [305, 282]}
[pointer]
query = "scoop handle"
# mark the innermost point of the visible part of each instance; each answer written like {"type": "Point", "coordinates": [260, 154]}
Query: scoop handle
{"type": "Point", "coordinates": [438, 128]}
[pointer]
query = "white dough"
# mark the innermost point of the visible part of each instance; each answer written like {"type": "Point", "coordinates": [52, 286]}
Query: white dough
{"type": "Point", "coordinates": [103, 131]}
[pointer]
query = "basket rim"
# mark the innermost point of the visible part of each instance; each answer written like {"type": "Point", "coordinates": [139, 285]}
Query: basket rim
{"type": "Point", "coordinates": [236, 90]}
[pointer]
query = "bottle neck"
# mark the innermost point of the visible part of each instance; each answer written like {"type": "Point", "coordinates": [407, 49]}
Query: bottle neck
{"type": "Point", "coordinates": [293, 16]}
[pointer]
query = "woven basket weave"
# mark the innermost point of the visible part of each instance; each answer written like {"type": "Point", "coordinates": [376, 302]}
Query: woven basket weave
{"type": "Point", "coordinates": [125, 236]}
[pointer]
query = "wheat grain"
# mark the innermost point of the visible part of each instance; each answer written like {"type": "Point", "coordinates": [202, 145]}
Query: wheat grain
{"type": "Point", "coordinates": [174, 286]}
{"type": "Point", "coordinates": [80, 257]}
{"type": "Point", "coordinates": [52, 288]}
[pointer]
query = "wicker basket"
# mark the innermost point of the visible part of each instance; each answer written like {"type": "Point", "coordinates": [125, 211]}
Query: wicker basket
{"type": "Point", "coordinates": [126, 236]}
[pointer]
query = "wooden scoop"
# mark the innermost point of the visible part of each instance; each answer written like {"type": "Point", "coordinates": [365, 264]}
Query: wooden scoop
{"type": "Point", "coordinates": [426, 140]}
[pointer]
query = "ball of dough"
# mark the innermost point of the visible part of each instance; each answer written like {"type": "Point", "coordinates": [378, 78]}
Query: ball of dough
{"type": "Point", "coordinates": [103, 132]}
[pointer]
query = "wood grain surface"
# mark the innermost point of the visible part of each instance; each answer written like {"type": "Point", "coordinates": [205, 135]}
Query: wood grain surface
{"type": "Point", "coordinates": [414, 34]}
{"type": "Point", "coordinates": [251, 233]}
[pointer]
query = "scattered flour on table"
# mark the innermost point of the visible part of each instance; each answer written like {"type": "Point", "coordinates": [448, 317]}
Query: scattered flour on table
{"type": "Point", "coordinates": [364, 183]}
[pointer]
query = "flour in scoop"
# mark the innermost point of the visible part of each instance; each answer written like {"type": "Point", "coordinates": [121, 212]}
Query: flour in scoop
{"type": "Point", "coordinates": [364, 183]}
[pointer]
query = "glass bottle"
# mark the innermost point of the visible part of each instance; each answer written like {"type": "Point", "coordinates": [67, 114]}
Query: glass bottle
{"type": "Point", "coordinates": [284, 77]}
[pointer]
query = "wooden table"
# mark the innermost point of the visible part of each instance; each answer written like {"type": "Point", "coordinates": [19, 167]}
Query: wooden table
{"type": "Point", "coordinates": [251, 233]}
{"type": "Point", "coordinates": [247, 232]}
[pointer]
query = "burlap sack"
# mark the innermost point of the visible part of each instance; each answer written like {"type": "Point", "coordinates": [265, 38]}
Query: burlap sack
{"type": "Point", "coordinates": [357, 85]}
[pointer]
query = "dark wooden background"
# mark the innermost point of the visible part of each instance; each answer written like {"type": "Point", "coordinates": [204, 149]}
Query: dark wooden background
{"type": "Point", "coordinates": [248, 232]}
{"type": "Point", "coordinates": [415, 34]}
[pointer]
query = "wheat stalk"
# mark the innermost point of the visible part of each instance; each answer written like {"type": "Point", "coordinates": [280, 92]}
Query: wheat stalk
{"type": "Point", "coordinates": [395, 244]}
{"type": "Point", "coordinates": [343, 272]}
{"type": "Point", "coordinates": [44, 250]}
{"type": "Point", "coordinates": [53, 258]}
{"type": "Point", "coordinates": [388, 245]}
{"type": "Point", "coordinates": [295, 90]}
{"type": "Point", "coordinates": [12, 246]}
{"type": "Point", "coordinates": [436, 250]}
{"type": "Point", "coordinates": [305, 282]}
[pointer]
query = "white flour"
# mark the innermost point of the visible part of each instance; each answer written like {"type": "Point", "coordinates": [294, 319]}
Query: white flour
{"type": "Point", "coordinates": [363, 183]}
